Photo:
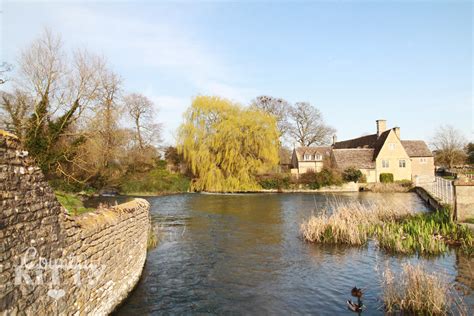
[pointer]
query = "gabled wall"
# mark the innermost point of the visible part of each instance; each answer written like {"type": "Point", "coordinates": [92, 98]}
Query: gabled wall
{"type": "Point", "coordinates": [393, 156]}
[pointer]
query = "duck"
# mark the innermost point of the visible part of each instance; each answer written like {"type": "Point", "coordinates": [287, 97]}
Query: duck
{"type": "Point", "coordinates": [354, 306]}
{"type": "Point", "coordinates": [357, 292]}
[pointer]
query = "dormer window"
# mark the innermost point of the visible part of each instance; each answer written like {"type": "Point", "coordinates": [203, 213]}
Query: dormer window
{"type": "Point", "coordinates": [307, 157]}
{"type": "Point", "coordinates": [318, 157]}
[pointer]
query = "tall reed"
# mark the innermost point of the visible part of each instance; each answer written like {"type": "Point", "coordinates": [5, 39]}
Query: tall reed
{"type": "Point", "coordinates": [350, 222]}
{"type": "Point", "coordinates": [417, 291]}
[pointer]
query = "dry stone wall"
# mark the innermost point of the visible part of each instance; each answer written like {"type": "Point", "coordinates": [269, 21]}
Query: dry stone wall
{"type": "Point", "coordinates": [54, 263]}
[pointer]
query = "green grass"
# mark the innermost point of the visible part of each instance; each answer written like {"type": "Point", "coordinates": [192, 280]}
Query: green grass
{"type": "Point", "coordinates": [71, 203]}
{"type": "Point", "coordinates": [158, 180]}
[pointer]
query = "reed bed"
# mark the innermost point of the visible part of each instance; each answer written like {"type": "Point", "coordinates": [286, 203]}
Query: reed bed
{"type": "Point", "coordinates": [350, 222]}
{"type": "Point", "coordinates": [419, 292]}
{"type": "Point", "coordinates": [395, 227]}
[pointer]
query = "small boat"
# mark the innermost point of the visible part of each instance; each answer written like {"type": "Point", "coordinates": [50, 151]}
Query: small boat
{"type": "Point", "coordinates": [357, 292]}
{"type": "Point", "coordinates": [357, 308]}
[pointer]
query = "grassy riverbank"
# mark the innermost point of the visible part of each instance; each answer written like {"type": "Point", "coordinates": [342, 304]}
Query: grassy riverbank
{"type": "Point", "coordinates": [72, 203]}
{"type": "Point", "coordinates": [395, 228]}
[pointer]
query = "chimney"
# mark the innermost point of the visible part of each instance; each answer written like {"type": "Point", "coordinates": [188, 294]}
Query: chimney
{"type": "Point", "coordinates": [381, 127]}
{"type": "Point", "coordinates": [334, 139]}
{"type": "Point", "coordinates": [397, 131]}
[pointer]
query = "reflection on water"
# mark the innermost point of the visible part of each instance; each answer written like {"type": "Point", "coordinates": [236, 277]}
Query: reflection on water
{"type": "Point", "coordinates": [242, 254]}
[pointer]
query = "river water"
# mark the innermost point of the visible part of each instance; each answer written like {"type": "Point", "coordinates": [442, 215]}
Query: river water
{"type": "Point", "coordinates": [242, 254]}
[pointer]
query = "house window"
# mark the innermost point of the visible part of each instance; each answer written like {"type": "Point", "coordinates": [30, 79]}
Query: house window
{"type": "Point", "coordinates": [402, 163]}
{"type": "Point", "coordinates": [307, 157]}
{"type": "Point", "coordinates": [385, 164]}
{"type": "Point", "coordinates": [392, 146]}
{"type": "Point", "coordinates": [319, 157]}
{"type": "Point", "coordinates": [422, 160]}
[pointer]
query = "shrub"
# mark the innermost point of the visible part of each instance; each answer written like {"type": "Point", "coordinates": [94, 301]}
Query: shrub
{"type": "Point", "coordinates": [386, 177]}
{"type": "Point", "coordinates": [352, 174]}
{"type": "Point", "coordinates": [155, 181]}
{"type": "Point", "coordinates": [328, 177]}
{"type": "Point", "coordinates": [308, 179]}
{"type": "Point", "coordinates": [274, 181]}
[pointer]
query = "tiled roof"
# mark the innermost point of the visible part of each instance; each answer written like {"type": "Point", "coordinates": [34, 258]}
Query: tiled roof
{"type": "Point", "coordinates": [360, 158]}
{"type": "Point", "coordinates": [369, 141]}
{"type": "Point", "coordinates": [360, 142]}
{"type": "Point", "coordinates": [416, 148]}
{"type": "Point", "coordinates": [322, 150]}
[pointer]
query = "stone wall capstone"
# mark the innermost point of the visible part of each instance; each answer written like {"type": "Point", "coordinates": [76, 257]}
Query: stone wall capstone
{"type": "Point", "coordinates": [52, 263]}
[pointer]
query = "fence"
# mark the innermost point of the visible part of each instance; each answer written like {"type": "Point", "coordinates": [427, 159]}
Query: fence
{"type": "Point", "coordinates": [438, 187]}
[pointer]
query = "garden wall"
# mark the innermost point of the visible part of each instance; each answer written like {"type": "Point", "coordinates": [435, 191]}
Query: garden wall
{"type": "Point", "coordinates": [53, 263]}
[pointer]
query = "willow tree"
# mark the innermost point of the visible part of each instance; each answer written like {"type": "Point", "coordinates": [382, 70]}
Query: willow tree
{"type": "Point", "coordinates": [226, 145]}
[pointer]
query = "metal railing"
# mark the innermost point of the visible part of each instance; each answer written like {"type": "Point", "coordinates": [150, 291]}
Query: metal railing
{"type": "Point", "coordinates": [438, 187]}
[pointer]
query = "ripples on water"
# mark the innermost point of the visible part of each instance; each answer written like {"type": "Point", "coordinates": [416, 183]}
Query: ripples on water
{"type": "Point", "coordinates": [241, 254]}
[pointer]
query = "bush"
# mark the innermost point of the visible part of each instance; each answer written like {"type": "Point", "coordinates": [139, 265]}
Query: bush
{"type": "Point", "coordinates": [386, 177]}
{"type": "Point", "coordinates": [352, 174]}
{"type": "Point", "coordinates": [274, 181]}
{"type": "Point", "coordinates": [155, 181]}
{"type": "Point", "coordinates": [316, 180]}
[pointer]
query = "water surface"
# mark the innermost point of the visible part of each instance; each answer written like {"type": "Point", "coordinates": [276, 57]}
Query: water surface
{"type": "Point", "coordinates": [241, 254]}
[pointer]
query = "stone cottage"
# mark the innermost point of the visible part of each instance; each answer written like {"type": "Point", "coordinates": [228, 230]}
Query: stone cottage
{"type": "Point", "coordinates": [382, 152]}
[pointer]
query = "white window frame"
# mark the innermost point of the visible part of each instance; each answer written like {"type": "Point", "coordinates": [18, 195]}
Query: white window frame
{"type": "Point", "coordinates": [307, 157]}
{"type": "Point", "coordinates": [402, 163]}
{"type": "Point", "coordinates": [423, 160]}
{"type": "Point", "coordinates": [318, 157]}
{"type": "Point", "coordinates": [385, 164]}
{"type": "Point", "coordinates": [391, 146]}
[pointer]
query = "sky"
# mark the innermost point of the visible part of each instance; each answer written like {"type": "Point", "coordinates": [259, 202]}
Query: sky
{"type": "Point", "coordinates": [410, 63]}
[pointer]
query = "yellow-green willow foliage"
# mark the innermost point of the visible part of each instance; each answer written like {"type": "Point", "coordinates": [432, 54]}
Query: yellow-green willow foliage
{"type": "Point", "coordinates": [226, 144]}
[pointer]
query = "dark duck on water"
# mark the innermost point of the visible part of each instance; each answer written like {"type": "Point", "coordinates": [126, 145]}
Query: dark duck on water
{"type": "Point", "coordinates": [359, 306]}
{"type": "Point", "coordinates": [357, 292]}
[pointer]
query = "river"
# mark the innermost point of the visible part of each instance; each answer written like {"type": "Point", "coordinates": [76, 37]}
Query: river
{"type": "Point", "coordinates": [242, 254]}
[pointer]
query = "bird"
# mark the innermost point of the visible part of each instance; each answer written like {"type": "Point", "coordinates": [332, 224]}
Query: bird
{"type": "Point", "coordinates": [354, 306]}
{"type": "Point", "coordinates": [357, 292]}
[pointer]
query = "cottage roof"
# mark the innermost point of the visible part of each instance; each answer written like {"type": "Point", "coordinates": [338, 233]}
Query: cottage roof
{"type": "Point", "coordinates": [416, 148]}
{"type": "Point", "coordinates": [369, 141]}
{"type": "Point", "coordinates": [322, 150]}
{"type": "Point", "coordinates": [360, 158]}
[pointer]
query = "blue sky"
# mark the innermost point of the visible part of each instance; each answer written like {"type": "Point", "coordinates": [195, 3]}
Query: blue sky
{"type": "Point", "coordinates": [408, 62]}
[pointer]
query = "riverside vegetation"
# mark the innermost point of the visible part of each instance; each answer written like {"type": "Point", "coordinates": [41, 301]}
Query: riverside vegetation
{"type": "Point", "coordinates": [398, 230]}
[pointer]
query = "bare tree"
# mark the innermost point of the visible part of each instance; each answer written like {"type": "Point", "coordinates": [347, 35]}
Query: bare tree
{"type": "Point", "coordinates": [142, 112]}
{"type": "Point", "coordinates": [449, 146]}
{"type": "Point", "coordinates": [277, 107]}
{"type": "Point", "coordinates": [308, 127]}
{"type": "Point", "coordinates": [4, 68]}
